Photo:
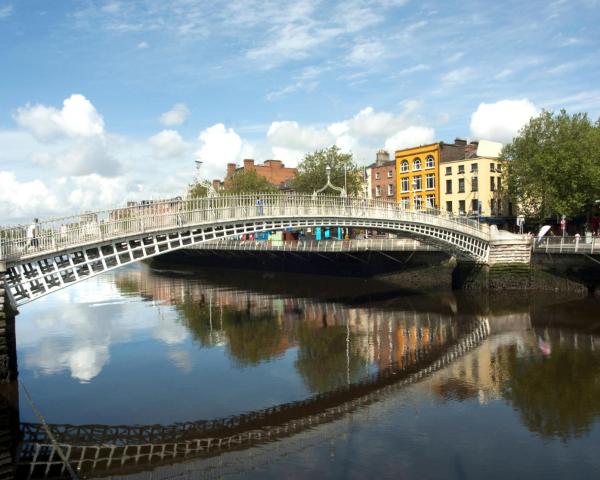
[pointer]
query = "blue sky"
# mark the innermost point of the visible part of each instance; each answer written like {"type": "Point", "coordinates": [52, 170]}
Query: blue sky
{"type": "Point", "coordinates": [104, 101]}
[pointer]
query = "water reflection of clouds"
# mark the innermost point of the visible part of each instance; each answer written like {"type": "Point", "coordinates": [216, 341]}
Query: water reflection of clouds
{"type": "Point", "coordinates": [64, 334]}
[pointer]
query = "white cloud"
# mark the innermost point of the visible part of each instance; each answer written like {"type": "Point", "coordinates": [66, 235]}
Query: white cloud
{"type": "Point", "coordinates": [291, 135]}
{"type": "Point", "coordinates": [367, 52]}
{"type": "Point", "coordinates": [168, 144]}
{"type": "Point", "coordinates": [414, 69]}
{"type": "Point", "coordinates": [459, 75]}
{"type": "Point", "coordinates": [502, 120]}
{"type": "Point", "coordinates": [507, 72]}
{"type": "Point", "coordinates": [20, 200]}
{"type": "Point", "coordinates": [143, 45]}
{"type": "Point", "coordinates": [410, 137]}
{"type": "Point", "coordinates": [6, 11]}
{"type": "Point", "coordinates": [94, 192]}
{"type": "Point", "coordinates": [77, 118]}
{"type": "Point", "coordinates": [220, 146]}
{"type": "Point", "coordinates": [176, 116]}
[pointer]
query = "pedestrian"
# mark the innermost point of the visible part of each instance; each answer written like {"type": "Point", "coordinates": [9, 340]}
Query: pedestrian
{"type": "Point", "coordinates": [32, 239]}
{"type": "Point", "coordinates": [259, 206]}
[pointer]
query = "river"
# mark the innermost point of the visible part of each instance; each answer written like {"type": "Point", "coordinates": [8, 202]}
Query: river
{"type": "Point", "coordinates": [262, 375]}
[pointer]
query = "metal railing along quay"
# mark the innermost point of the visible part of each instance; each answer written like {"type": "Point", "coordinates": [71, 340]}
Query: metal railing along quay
{"type": "Point", "coordinates": [573, 245]}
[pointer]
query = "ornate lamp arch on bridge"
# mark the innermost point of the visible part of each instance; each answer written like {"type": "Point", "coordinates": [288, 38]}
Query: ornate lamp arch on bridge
{"type": "Point", "coordinates": [73, 249]}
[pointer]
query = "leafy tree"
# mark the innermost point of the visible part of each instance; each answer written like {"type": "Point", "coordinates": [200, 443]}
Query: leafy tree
{"type": "Point", "coordinates": [195, 190]}
{"type": "Point", "coordinates": [312, 174]}
{"type": "Point", "coordinates": [554, 165]}
{"type": "Point", "coordinates": [248, 181]}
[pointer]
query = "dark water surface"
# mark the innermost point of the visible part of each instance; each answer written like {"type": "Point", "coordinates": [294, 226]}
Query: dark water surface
{"type": "Point", "coordinates": [272, 376]}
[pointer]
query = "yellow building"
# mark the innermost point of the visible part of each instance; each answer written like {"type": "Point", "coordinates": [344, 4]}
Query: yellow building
{"type": "Point", "coordinates": [471, 185]}
{"type": "Point", "coordinates": [417, 177]}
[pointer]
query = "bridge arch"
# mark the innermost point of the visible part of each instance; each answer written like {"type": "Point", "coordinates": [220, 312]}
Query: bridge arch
{"type": "Point", "coordinates": [72, 249]}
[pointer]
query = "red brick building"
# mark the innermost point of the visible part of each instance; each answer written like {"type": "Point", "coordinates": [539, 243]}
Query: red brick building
{"type": "Point", "coordinates": [381, 177]}
{"type": "Point", "coordinates": [273, 170]}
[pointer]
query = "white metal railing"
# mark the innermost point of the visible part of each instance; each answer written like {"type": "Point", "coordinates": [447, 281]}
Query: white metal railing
{"type": "Point", "coordinates": [60, 234]}
{"type": "Point", "coordinates": [574, 244]}
{"type": "Point", "coordinates": [354, 245]}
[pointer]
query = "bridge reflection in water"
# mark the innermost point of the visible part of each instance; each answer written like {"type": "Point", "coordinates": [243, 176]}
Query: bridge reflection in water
{"type": "Point", "coordinates": [408, 343]}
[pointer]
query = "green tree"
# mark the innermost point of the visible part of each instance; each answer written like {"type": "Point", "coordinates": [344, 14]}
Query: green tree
{"type": "Point", "coordinates": [554, 165]}
{"type": "Point", "coordinates": [248, 181]}
{"type": "Point", "coordinates": [195, 190]}
{"type": "Point", "coordinates": [312, 174]}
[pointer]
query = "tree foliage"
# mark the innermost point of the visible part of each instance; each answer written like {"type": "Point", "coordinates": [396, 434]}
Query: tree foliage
{"type": "Point", "coordinates": [248, 181]}
{"type": "Point", "coordinates": [554, 165]}
{"type": "Point", "coordinates": [242, 181]}
{"type": "Point", "coordinates": [312, 174]}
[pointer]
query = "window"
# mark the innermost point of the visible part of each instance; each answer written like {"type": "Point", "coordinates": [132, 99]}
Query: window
{"type": "Point", "coordinates": [461, 207]}
{"type": "Point", "coordinates": [448, 186]}
{"type": "Point", "coordinates": [461, 169]}
{"type": "Point", "coordinates": [498, 168]}
{"type": "Point", "coordinates": [430, 162]}
{"type": "Point", "coordinates": [492, 184]}
{"type": "Point", "coordinates": [461, 185]}
{"type": "Point", "coordinates": [418, 202]}
{"type": "Point", "coordinates": [404, 184]}
{"type": "Point", "coordinates": [430, 181]}
{"type": "Point", "coordinates": [390, 173]}
{"type": "Point", "coordinates": [390, 190]}
{"type": "Point", "coordinates": [448, 170]}
{"type": "Point", "coordinates": [449, 207]}
{"type": "Point", "coordinates": [377, 175]}
{"type": "Point", "coordinates": [499, 183]}
{"type": "Point", "coordinates": [405, 202]}
{"type": "Point", "coordinates": [417, 183]}
{"type": "Point", "coordinates": [378, 191]}
{"type": "Point", "coordinates": [474, 168]}
{"type": "Point", "coordinates": [492, 167]}
{"type": "Point", "coordinates": [417, 164]}
{"type": "Point", "coordinates": [474, 184]}
{"type": "Point", "coordinates": [404, 166]}
{"type": "Point", "coordinates": [430, 201]}
{"type": "Point", "coordinates": [475, 206]}
{"type": "Point", "coordinates": [493, 206]}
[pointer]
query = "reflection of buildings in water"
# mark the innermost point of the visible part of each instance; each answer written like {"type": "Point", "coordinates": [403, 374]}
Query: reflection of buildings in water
{"type": "Point", "coordinates": [381, 336]}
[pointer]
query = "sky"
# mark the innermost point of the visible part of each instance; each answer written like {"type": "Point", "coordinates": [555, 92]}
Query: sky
{"type": "Point", "coordinates": [104, 101]}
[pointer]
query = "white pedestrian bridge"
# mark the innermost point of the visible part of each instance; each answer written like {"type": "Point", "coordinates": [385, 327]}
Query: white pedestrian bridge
{"type": "Point", "coordinates": [64, 251]}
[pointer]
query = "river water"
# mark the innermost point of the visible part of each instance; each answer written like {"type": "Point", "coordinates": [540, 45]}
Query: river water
{"type": "Point", "coordinates": [256, 375]}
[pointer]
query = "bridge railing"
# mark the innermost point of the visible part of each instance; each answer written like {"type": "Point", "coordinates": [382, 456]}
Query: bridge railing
{"type": "Point", "coordinates": [91, 227]}
{"type": "Point", "coordinates": [380, 244]}
{"type": "Point", "coordinates": [570, 244]}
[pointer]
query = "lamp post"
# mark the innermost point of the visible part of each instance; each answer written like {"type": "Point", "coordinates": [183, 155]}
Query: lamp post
{"type": "Point", "coordinates": [210, 190]}
{"type": "Point", "coordinates": [328, 184]}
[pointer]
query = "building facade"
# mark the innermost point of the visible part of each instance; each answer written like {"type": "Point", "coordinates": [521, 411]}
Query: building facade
{"type": "Point", "coordinates": [274, 171]}
{"type": "Point", "coordinates": [381, 177]}
{"type": "Point", "coordinates": [471, 185]}
{"type": "Point", "coordinates": [417, 181]}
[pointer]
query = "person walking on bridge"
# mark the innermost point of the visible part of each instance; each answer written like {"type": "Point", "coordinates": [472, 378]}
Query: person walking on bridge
{"type": "Point", "coordinates": [32, 239]}
{"type": "Point", "coordinates": [259, 206]}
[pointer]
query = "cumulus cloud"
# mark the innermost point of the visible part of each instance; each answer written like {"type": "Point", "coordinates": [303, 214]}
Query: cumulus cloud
{"type": "Point", "coordinates": [219, 146]}
{"type": "Point", "coordinates": [25, 199]}
{"type": "Point", "coordinates": [176, 116]}
{"type": "Point", "coordinates": [168, 144]}
{"type": "Point", "coordinates": [410, 137]}
{"type": "Point", "coordinates": [77, 118]}
{"type": "Point", "coordinates": [502, 120]}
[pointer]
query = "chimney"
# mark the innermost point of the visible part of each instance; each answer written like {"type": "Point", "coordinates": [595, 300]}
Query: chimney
{"type": "Point", "coordinates": [230, 169]}
{"type": "Point", "coordinates": [471, 148]}
{"type": "Point", "coordinates": [381, 157]}
{"type": "Point", "coordinates": [460, 141]}
{"type": "Point", "coordinates": [248, 164]}
{"type": "Point", "coordinates": [216, 184]}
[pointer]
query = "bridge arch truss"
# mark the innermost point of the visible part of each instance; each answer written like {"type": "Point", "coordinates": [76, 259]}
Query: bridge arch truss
{"type": "Point", "coordinates": [72, 249]}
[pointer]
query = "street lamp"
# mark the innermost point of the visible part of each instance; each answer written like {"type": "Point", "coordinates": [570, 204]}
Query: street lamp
{"type": "Point", "coordinates": [342, 190]}
{"type": "Point", "coordinates": [210, 190]}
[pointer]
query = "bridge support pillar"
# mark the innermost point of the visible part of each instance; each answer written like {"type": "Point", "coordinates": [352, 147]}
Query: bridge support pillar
{"type": "Point", "coordinates": [508, 266]}
{"type": "Point", "coordinates": [8, 343]}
